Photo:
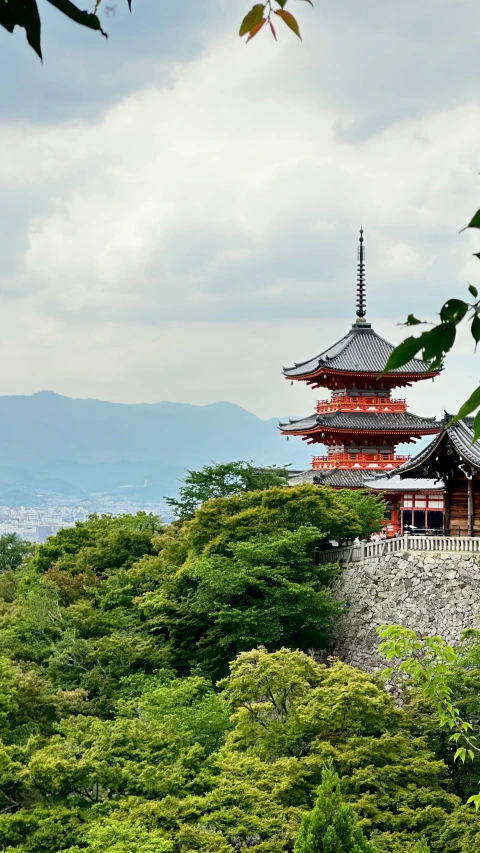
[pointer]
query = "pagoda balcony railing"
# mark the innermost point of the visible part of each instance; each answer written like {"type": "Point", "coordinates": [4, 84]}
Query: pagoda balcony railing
{"type": "Point", "coordinates": [361, 404]}
{"type": "Point", "coordinates": [358, 461]}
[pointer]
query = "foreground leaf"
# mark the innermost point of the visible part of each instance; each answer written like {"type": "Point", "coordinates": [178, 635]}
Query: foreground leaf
{"type": "Point", "coordinates": [23, 14]}
{"type": "Point", "coordinates": [476, 328]}
{"type": "Point", "coordinates": [290, 21]}
{"type": "Point", "coordinates": [474, 222]}
{"type": "Point", "coordinates": [438, 341]}
{"type": "Point", "coordinates": [85, 19]}
{"type": "Point", "coordinates": [251, 19]}
{"type": "Point", "coordinates": [402, 354]}
{"type": "Point", "coordinates": [476, 428]}
{"type": "Point", "coordinates": [453, 311]}
{"type": "Point", "coordinates": [253, 32]}
{"type": "Point", "coordinates": [468, 407]}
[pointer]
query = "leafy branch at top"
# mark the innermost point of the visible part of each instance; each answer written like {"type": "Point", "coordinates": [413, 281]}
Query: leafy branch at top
{"type": "Point", "coordinates": [25, 14]}
{"type": "Point", "coordinates": [427, 661]}
{"type": "Point", "coordinates": [435, 343]}
{"type": "Point", "coordinates": [261, 14]}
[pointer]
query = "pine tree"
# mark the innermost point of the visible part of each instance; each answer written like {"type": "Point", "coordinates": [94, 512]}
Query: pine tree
{"type": "Point", "coordinates": [332, 825]}
{"type": "Point", "coordinates": [421, 846]}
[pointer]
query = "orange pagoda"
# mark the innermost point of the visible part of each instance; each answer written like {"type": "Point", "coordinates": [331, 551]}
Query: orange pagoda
{"type": "Point", "coordinates": [360, 424]}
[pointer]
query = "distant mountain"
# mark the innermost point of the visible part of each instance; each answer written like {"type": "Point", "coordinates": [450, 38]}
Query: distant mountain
{"type": "Point", "coordinates": [99, 446]}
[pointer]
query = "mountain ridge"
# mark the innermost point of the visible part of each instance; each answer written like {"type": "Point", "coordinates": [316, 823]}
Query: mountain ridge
{"type": "Point", "coordinates": [49, 428]}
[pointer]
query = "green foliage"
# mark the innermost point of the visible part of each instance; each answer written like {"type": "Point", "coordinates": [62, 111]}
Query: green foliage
{"type": "Point", "coordinates": [268, 591]}
{"type": "Point", "coordinates": [104, 749]}
{"type": "Point", "coordinates": [222, 480]}
{"type": "Point", "coordinates": [436, 342]}
{"type": "Point", "coordinates": [332, 826]}
{"type": "Point", "coordinates": [221, 522]}
{"type": "Point", "coordinates": [428, 662]}
{"type": "Point", "coordinates": [369, 508]}
{"type": "Point", "coordinates": [25, 14]}
{"type": "Point", "coordinates": [261, 14]}
{"type": "Point", "coordinates": [13, 552]}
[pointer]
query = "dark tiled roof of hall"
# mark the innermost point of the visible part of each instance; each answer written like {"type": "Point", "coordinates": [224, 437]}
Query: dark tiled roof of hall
{"type": "Point", "coordinates": [460, 436]}
{"type": "Point", "coordinates": [351, 421]}
{"type": "Point", "coordinates": [360, 351]}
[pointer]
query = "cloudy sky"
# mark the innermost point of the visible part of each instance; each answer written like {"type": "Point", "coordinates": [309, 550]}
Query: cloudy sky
{"type": "Point", "coordinates": [179, 212]}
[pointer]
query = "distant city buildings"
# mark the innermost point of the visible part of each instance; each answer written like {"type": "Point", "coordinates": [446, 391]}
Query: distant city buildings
{"type": "Point", "coordinates": [36, 524]}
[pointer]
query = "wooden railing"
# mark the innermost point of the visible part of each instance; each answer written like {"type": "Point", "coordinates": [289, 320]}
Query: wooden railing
{"type": "Point", "coordinates": [362, 551]}
{"type": "Point", "coordinates": [361, 404]}
{"type": "Point", "coordinates": [359, 461]}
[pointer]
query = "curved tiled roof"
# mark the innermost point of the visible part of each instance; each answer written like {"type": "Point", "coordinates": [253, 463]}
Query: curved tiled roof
{"type": "Point", "coordinates": [355, 421]}
{"type": "Point", "coordinates": [337, 477]}
{"type": "Point", "coordinates": [459, 435]}
{"type": "Point", "coordinates": [360, 351]}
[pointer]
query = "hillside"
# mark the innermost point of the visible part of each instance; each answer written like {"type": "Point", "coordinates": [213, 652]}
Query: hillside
{"type": "Point", "coordinates": [100, 446]}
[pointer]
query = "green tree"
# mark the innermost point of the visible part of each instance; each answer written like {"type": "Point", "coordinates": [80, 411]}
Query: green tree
{"type": "Point", "coordinates": [222, 480]}
{"type": "Point", "coordinates": [369, 508]}
{"type": "Point", "coordinates": [223, 521]}
{"type": "Point", "coordinates": [13, 551]}
{"type": "Point", "coordinates": [269, 591]}
{"type": "Point", "coordinates": [332, 826]}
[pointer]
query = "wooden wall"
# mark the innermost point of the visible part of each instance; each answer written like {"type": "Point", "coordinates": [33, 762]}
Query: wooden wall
{"type": "Point", "coordinates": [458, 498]}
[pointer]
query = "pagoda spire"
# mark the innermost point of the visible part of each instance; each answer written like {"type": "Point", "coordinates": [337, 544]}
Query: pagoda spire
{"type": "Point", "coordinates": [361, 295]}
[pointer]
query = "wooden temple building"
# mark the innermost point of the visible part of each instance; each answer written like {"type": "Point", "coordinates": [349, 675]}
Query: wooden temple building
{"type": "Point", "coordinates": [361, 424]}
{"type": "Point", "coordinates": [453, 461]}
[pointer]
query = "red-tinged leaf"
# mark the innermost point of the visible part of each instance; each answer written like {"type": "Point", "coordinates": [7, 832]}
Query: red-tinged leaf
{"type": "Point", "coordinates": [273, 31]}
{"type": "Point", "coordinates": [256, 29]}
{"type": "Point", "coordinates": [289, 20]}
{"type": "Point", "coordinates": [474, 222]}
{"type": "Point", "coordinates": [251, 19]}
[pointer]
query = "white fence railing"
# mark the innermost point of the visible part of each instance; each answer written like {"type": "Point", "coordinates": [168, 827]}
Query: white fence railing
{"type": "Point", "coordinates": [407, 542]}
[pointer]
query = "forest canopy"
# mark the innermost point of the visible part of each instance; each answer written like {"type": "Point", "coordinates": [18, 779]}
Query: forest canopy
{"type": "Point", "coordinates": [166, 688]}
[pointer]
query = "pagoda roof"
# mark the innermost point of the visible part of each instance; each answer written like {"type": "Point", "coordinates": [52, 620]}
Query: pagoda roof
{"type": "Point", "coordinates": [443, 454]}
{"type": "Point", "coordinates": [336, 477]}
{"type": "Point", "coordinates": [394, 422]}
{"type": "Point", "coordinates": [360, 351]}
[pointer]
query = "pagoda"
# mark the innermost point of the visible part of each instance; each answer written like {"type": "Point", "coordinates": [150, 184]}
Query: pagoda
{"type": "Point", "coordinates": [360, 424]}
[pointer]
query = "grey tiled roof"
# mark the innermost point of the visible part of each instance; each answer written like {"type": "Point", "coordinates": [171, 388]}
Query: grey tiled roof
{"type": "Point", "coordinates": [337, 477]}
{"type": "Point", "coordinates": [376, 421]}
{"type": "Point", "coordinates": [360, 351]}
{"type": "Point", "coordinates": [395, 483]}
{"type": "Point", "coordinates": [458, 435]}
{"type": "Point", "coordinates": [343, 479]}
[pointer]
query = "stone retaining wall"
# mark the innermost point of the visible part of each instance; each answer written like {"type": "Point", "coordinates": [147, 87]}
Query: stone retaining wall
{"type": "Point", "coordinates": [431, 593]}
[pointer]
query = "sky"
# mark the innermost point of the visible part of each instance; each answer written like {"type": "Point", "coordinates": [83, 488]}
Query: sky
{"type": "Point", "coordinates": [179, 211]}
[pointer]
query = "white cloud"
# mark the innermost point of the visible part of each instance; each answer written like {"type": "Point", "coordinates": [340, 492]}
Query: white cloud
{"type": "Point", "coordinates": [202, 230]}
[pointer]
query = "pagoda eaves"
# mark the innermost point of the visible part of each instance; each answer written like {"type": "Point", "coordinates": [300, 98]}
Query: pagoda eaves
{"type": "Point", "coordinates": [357, 360]}
{"type": "Point", "coordinates": [361, 424]}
